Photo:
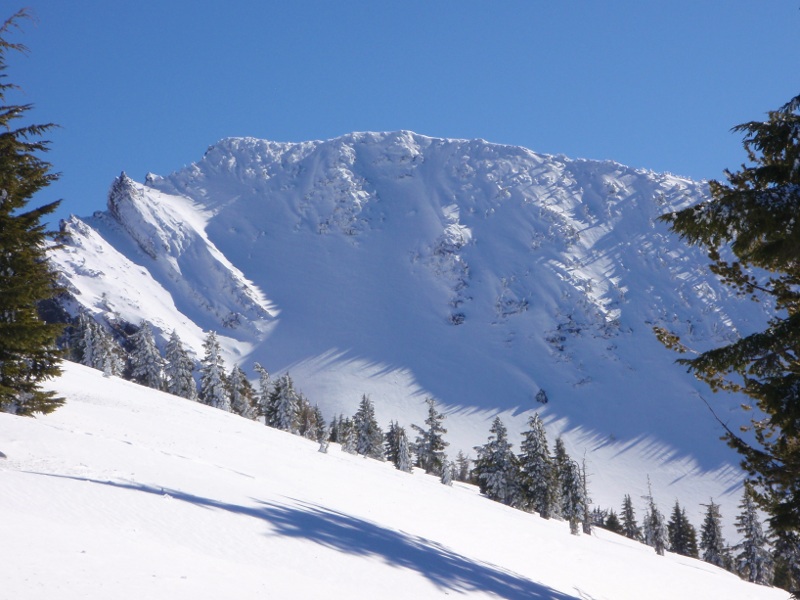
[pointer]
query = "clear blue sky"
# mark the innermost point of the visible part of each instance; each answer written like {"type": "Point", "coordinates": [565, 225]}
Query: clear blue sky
{"type": "Point", "coordinates": [149, 85]}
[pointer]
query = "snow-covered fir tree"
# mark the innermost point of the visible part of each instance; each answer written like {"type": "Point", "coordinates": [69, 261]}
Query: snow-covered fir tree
{"type": "Point", "coordinates": [753, 560]}
{"type": "Point", "coordinates": [712, 542]}
{"type": "Point", "coordinates": [97, 347]}
{"type": "Point", "coordinates": [448, 470]}
{"type": "Point", "coordinates": [320, 427]}
{"type": "Point", "coordinates": [309, 422]}
{"type": "Point", "coordinates": [179, 369]}
{"type": "Point", "coordinates": [560, 478]}
{"type": "Point", "coordinates": [147, 365]}
{"type": "Point", "coordinates": [573, 500]}
{"type": "Point", "coordinates": [347, 436]}
{"type": "Point", "coordinates": [497, 468]}
{"type": "Point", "coordinates": [283, 405]}
{"type": "Point", "coordinates": [213, 389]}
{"type": "Point", "coordinates": [242, 395]}
{"type": "Point", "coordinates": [430, 443]}
{"type": "Point", "coordinates": [585, 519]}
{"type": "Point", "coordinates": [369, 436]}
{"type": "Point", "coordinates": [404, 462]}
{"type": "Point", "coordinates": [264, 389]}
{"type": "Point", "coordinates": [655, 530]}
{"type": "Point", "coordinates": [536, 469]}
{"type": "Point", "coordinates": [630, 528]}
{"type": "Point", "coordinates": [681, 533]}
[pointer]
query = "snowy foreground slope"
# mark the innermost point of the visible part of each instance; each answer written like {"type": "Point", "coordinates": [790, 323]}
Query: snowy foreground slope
{"type": "Point", "coordinates": [403, 266]}
{"type": "Point", "coordinates": [129, 493]}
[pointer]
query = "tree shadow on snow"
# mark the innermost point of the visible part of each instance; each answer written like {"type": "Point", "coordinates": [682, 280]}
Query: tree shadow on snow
{"type": "Point", "coordinates": [442, 566]}
{"type": "Point", "coordinates": [445, 568]}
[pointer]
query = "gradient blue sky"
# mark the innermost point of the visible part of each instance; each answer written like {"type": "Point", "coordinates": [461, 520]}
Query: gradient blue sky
{"type": "Point", "coordinates": [149, 85]}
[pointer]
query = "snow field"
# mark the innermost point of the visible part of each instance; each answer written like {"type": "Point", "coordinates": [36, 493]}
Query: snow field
{"type": "Point", "coordinates": [131, 493]}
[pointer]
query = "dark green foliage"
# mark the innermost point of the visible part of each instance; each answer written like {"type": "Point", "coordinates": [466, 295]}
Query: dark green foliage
{"type": "Point", "coordinates": [682, 534]}
{"type": "Point", "coordinates": [28, 352]}
{"type": "Point", "coordinates": [751, 232]}
{"type": "Point", "coordinates": [612, 523]}
{"type": "Point", "coordinates": [462, 467]}
{"type": "Point", "coordinates": [786, 554]}
{"type": "Point", "coordinates": [630, 528]}
{"type": "Point", "coordinates": [711, 541]}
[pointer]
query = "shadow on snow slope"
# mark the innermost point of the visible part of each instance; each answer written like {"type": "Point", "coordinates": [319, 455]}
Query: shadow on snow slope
{"type": "Point", "coordinates": [443, 567]}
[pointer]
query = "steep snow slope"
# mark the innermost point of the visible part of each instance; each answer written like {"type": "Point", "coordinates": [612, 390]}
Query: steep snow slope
{"type": "Point", "coordinates": [403, 266]}
{"type": "Point", "coordinates": [129, 493]}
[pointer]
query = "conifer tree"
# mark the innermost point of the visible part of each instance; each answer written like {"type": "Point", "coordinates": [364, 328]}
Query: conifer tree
{"type": "Point", "coordinates": [213, 389]}
{"type": "Point", "coordinates": [536, 469]}
{"type": "Point", "coordinates": [347, 436]}
{"type": "Point", "coordinates": [630, 528]}
{"type": "Point", "coordinates": [403, 452]}
{"type": "Point", "coordinates": [242, 395]}
{"type": "Point", "coordinates": [573, 500]}
{"type": "Point", "coordinates": [753, 559]}
{"type": "Point", "coordinates": [430, 442]}
{"type": "Point", "coordinates": [283, 405]}
{"type": "Point", "coordinates": [97, 347]}
{"type": "Point", "coordinates": [586, 520]}
{"type": "Point", "coordinates": [751, 234]}
{"type": "Point", "coordinates": [178, 369]}
{"type": "Point", "coordinates": [306, 420]}
{"type": "Point", "coordinates": [712, 542]}
{"type": "Point", "coordinates": [369, 436]}
{"type": "Point", "coordinates": [147, 365]}
{"type": "Point", "coordinates": [390, 449]}
{"type": "Point", "coordinates": [397, 448]}
{"type": "Point", "coordinates": [320, 428]}
{"type": "Point", "coordinates": [264, 390]}
{"type": "Point", "coordinates": [612, 523]}
{"type": "Point", "coordinates": [462, 467]}
{"type": "Point", "coordinates": [334, 432]}
{"type": "Point", "coordinates": [655, 531]}
{"type": "Point", "coordinates": [786, 558]}
{"type": "Point", "coordinates": [447, 473]}
{"type": "Point", "coordinates": [681, 533]}
{"type": "Point", "coordinates": [28, 354]}
{"type": "Point", "coordinates": [560, 478]}
{"type": "Point", "coordinates": [497, 468]}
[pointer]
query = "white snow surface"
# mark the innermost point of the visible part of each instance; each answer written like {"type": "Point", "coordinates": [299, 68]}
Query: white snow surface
{"type": "Point", "coordinates": [403, 266]}
{"type": "Point", "coordinates": [128, 493]}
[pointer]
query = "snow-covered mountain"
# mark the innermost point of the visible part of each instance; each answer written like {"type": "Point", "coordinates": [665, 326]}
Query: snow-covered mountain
{"type": "Point", "coordinates": [129, 493]}
{"type": "Point", "coordinates": [404, 266]}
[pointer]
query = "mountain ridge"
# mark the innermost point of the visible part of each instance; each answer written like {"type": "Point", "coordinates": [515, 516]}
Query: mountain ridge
{"type": "Point", "coordinates": [404, 266]}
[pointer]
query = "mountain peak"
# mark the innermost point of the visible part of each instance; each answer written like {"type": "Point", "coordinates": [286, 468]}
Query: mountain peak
{"type": "Point", "coordinates": [406, 266]}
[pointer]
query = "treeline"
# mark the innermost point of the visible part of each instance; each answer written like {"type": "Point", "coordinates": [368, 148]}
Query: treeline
{"type": "Point", "coordinates": [535, 480]}
{"type": "Point", "coordinates": [754, 558]}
